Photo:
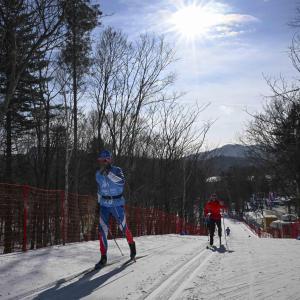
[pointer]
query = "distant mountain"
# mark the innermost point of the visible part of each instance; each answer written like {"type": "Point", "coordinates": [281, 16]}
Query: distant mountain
{"type": "Point", "coordinates": [230, 150]}
{"type": "Point", "coordinates": [223, 158]}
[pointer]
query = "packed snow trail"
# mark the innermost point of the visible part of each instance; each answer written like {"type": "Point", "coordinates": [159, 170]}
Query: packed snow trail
{"type": "Point", "coordinates": [169, 267]}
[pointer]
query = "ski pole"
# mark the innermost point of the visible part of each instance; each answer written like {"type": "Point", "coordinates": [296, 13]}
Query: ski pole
{"type": "Point", "coordinates": [208, 234]}
{"type": "Point", "coordinates": [115, 241]}
{"type": "Point", "coordinates": [207, 228]}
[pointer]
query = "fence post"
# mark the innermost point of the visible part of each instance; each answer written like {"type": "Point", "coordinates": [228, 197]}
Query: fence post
{"type": "Point", "coordinates": [62, 212]}
{"type": "Point", "coordinates": [25, 194]}
{"type": "Point", "coordinates": [137, 221]}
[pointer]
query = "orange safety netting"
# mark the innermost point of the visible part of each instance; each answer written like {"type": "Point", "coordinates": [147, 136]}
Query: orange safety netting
{"type": "Point", "coordinates": [32, 218]}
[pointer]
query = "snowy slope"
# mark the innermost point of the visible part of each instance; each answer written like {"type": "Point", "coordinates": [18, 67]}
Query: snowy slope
{"type": "Point", "coordinates": [169, 267]}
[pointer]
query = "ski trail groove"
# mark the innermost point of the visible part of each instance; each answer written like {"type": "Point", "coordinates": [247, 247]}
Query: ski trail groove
{"type": "Point", "coordinates": [174, 284]}
{"type": "Point", "coordinates": [187, 281]}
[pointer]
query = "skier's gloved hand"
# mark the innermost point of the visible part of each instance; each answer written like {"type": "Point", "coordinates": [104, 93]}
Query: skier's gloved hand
{"type": "Point", "coordinates": [105, 170]}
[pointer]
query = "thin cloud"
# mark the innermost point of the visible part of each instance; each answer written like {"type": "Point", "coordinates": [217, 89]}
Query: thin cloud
{"type": "Point", "coordinates": [213, 19]}
{"type": "Point", "coordinates": [226, 109]}
{"type": "Point", "coordinates": [239, 19]}
{"type": "Point", "coordinates": [209, 19]}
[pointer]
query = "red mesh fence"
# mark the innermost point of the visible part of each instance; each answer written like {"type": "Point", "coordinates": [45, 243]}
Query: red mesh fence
{"type": "Point", "coordinates": [295, 230]}
{"type": "Point", "coordinates": [32, 218]}
{"type": "Point", "coordinates": [289, 230]}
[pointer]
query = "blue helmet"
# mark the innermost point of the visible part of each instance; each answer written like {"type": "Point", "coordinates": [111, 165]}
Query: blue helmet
{"type": "Point", "coordinates": [104, 155]}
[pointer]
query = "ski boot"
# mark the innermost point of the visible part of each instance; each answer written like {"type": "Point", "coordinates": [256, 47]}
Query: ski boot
{"type": "Point", "coordinates": [132, 251]}
{"type": "Point", "coordinates": [102, 262]}
{"type": "Point", "coordinates": [210, 246]}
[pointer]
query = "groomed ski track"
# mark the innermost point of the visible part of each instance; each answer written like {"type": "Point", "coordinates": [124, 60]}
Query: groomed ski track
{"type": "Point", "coordinates": [170, 267]}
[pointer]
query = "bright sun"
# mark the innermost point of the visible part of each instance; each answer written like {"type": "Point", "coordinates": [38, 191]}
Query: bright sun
{"type": "Point", "coordinates": [194, 20]}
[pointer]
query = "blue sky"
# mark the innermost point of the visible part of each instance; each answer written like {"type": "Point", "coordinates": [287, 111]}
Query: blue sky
{"type": "Point", "coordinates": [223, 60]}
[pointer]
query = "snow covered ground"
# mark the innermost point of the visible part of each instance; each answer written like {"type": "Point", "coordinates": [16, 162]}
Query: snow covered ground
{"type": "Point", "coordinates": [168, 267]}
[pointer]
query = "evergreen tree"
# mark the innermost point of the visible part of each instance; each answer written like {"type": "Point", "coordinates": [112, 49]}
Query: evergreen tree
{"type": "Point", "coordinates": [45, 18]}
{"type": "Point", "coordinates": [20, 81]}
{"type": "Point", "coordinates": [28, 29]}
{"type": "Point", "coordinates": [80, 19]}
{"type": "Point", "coordinates": [18, 118]}
{"type": "Point", "coordinates": [287, 148]}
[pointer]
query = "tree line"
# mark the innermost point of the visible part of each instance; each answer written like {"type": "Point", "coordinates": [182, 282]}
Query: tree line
{"type": "Point", "coordinates": [69, 87]}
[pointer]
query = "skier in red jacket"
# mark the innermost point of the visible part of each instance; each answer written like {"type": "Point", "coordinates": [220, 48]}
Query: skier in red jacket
{"type": "Point", "coordinates": [212, 213]}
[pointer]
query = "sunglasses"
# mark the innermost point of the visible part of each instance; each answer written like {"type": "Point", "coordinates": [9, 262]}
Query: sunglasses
{"type": "Point", "coordinates": [104, 160]}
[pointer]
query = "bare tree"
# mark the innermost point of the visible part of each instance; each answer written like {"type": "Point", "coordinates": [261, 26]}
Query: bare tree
{"type": "Point", "coordinates": [108, 60]}
{"type": "Point", "coordinates": [128, 77]}
{"type": "Point", "coordinates": [181, 140]}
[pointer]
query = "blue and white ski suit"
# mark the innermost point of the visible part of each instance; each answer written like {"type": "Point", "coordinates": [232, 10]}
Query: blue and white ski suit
{"type": "Point", "coordinates": [111, 200]}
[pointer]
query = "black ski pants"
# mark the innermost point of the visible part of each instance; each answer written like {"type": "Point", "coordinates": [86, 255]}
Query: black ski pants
{"type": "Point", "coordinates": [211, 228]}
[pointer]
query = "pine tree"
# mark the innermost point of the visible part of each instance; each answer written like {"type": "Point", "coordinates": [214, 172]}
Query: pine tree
{"type": "Point", "coordinates": [27, 30]}
{"type": "Point", "coordinates": [21, 81]}
{"type": "Point", "coordinates": [287, 147]}
{"type": "Point", "coordinates": [80, 18]}
{"type": "Point", "coordinates": [18, 118]}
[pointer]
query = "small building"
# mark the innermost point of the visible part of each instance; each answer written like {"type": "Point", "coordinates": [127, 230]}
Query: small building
{"type": "Point", "coordinates": [282, 229]}
{"type": "Point", "coordinates": [268, 219]}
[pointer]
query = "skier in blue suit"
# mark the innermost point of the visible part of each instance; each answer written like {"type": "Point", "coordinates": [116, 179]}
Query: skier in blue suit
{"type": "Point", "coordinates": [110, 181]}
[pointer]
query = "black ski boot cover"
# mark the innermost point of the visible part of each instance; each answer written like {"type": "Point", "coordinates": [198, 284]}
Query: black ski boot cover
{"type": "Point", "coordinates": [132, 250]}
{"type": "Point", "coordinates": [102, 262]}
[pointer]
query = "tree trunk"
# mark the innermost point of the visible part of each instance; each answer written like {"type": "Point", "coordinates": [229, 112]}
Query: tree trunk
{"type": "Point", "coordinates": [8, 178]}
{"type": "Point", "coordinates": [47, 150]}
{"type": "Point", "coordinates": [8, 157]}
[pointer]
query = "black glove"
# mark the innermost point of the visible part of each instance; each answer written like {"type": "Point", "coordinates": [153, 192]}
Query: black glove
{"type": "Point", "coordinates": [105, 170]}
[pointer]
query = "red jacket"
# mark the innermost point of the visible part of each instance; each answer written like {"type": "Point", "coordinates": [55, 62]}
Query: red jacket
{"type": "Point", "coordinates": [213, 207]}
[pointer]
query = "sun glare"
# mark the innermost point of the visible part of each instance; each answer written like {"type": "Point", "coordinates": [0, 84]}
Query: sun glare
{"type": "Point", "coordinates": [194, 21]}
